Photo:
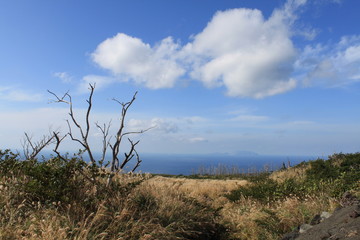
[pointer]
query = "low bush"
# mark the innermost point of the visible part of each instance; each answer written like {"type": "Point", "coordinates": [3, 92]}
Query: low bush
{"type": "Point", "coordinates": [54, 180]}
{"type": "Point", "coordinates": [333, 177]}
{"type": "Point", "coordinates": [268, 190]}
{"type": "Point", "coordinates": [51, 180]}
{"type": "Point", "coordinates": [321, 170]}
{"type": "Point", "coordinates": [9, 163]}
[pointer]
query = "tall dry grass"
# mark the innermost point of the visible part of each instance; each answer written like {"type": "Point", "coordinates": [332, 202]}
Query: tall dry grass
{"type": "Point", "coordinates": [297, 172]}
{"type": "Point", "coordinates": [206, 191]}
{"type": "Point", "coordinates": [149, 208]}
{"type": "Point", "coordinates": [246, 218]}
{"type": "Point", "coordinates": [128, 211]}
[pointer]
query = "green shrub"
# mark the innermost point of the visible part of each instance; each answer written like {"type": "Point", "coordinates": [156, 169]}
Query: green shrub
{"type": "Point", "coordinates": [271, 224]}
{"type": "Point", "coordinates": [268, 190]}
{"type": "Point", "coordinates": [9, 163]}
{"type": "Point", "coordinates": [52, 180]}
{"type": "Point", "coordinates": [335, 176]}
{"type": "Point", "coordinates": [320, 170]}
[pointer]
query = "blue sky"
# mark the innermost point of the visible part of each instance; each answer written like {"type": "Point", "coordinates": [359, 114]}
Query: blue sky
{"type": "Point", "coordinates": [272, 77]}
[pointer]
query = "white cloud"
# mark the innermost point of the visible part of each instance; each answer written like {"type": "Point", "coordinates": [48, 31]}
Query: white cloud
{"type": "Point", "coordinates": [36, 122]}
{"type": "Point", "coordinates": [159, 124]}
{"type": "Point", "coordinates": [14, 94]}
{"type": "Point", "coordinates": [331, 65]}
{"type": "Point", "coordinates": [100, 81]}
{"type": "Point", "coordinates": [238, 49]}
{"type": "Point", "coordinates": [246, 115]}
{"type": "Point", "coordinates": [166, 125]}
{"type": "Point", "coordinates": [250, 56]}
{"type": "Point", "coordinates": [250, 118]}
{"type": "Point", "coordinates": [64, 77]}
{"type": "Point", "coordinates": [130, 58]}
{"type": "Point", "coordinates": [194, 119]}
{"type": "Point", "coordinates": [197, 140]}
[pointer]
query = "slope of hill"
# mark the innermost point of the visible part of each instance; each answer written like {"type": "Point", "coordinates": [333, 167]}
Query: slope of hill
{"type": "Point", "coordinates": [54, 199]}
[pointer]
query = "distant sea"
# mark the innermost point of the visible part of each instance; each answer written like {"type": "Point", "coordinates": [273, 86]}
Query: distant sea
{"type": "Point", "coordinates": [188, 164]}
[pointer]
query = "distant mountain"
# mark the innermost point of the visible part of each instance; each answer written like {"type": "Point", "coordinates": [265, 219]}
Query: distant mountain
{"type": "Point", "coordinates": [246, 153]}
{"type": "Point", "coordinates": [237, 153]}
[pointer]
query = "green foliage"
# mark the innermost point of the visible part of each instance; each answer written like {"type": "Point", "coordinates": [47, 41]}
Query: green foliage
{"type": "Point", "coordinates": [339, 174]}
{"type": "Point", "coordinates": [321, 169]}
{"type": "Point", "coordinates": [9, 163]}
{"type": "Point", "coordinates": [267, 190]}
{"type": "Point", "coordinates": [335, 176]}
{"type": "Point", "coordinates": [53, 180]}
{"type": "Point", "coordinates": [271, 224]}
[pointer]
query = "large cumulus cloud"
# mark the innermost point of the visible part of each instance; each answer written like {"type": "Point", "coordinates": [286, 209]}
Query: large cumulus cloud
{"type": "Point", "coordinates": [238, 49]}
{"type": "Point", "coordinates": [131, 58]}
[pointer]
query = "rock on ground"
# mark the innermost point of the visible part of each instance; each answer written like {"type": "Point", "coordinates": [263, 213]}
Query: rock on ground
{"type": "Point", "coordinates": [343, 224]}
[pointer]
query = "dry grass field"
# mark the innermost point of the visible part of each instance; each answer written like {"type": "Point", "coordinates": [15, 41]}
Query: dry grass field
{"type": "Point", "coordinates": [245, 218]}
{"type": "Point", "coordinates": [146, 207]}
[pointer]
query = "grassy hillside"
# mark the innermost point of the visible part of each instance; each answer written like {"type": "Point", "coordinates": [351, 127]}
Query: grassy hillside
{"type": "Point", "coordinates": [54, 199]}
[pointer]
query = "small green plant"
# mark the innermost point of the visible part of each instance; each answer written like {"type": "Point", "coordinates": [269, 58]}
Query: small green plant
{"type": "Point", "coordinates": [267, 190]}
{"type": "Point", "coordinates": [333, 177]}
{"type": "Point", "coordinates": [271, 224]}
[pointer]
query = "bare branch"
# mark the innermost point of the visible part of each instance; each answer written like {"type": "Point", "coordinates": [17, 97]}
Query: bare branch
{"type": "Point", "coordinates": [72, 137]}
{"type": "Point", "coordinates": [84, 135]}
{"type": "Point", "coordinates": [130, 155]}
{"type": "Point", "coordinates": [32, 149]}
{"type": "Point", "coordinates": [116, 147]}
{"type": "Point", "coordinates": [105, 132]}
{"type": "Point", "coordinates": [58, 141]}
{"type": "Point", "coordinates": [58, 99]}
{"type": "Point", "coordinates": [89, 101]}
{"type": "Point", "coordinates": [139, 132]}
{"type": "Point", "coordinates": [137, 162]}
{"type": "Point", "coordinates": [83, 132]}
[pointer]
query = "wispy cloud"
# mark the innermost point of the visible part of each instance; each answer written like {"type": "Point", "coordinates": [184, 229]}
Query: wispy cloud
{"type": "Point", "coordinates": [197, 140]}
{"type": "Point", "coordinates": [246, 114]}
{"type": "Point", "coordinates": [14, 94]}
{"type": "Point", "coordinates": [159, 124]}
{"type": "Point", "coordinates": [99, 81]}
{"type": "Point", "coordinates": [166, 125]}
{"type": "Point", "coordinates": [331, 65]}
{"type": "Point", "coordinates": [249, 118]}
{"type": "Point", "coordinates": [64, 77]}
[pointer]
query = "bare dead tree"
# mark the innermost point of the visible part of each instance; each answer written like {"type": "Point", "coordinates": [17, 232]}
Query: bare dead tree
{"type": "Point", "coordinates": [32, 149]}
{"type": "Point", "coordinates": [106, 140]}
{"type": "Point", "coordinates": [84, 133]}
{"type": "Point", "coordinates": [116, 164]}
